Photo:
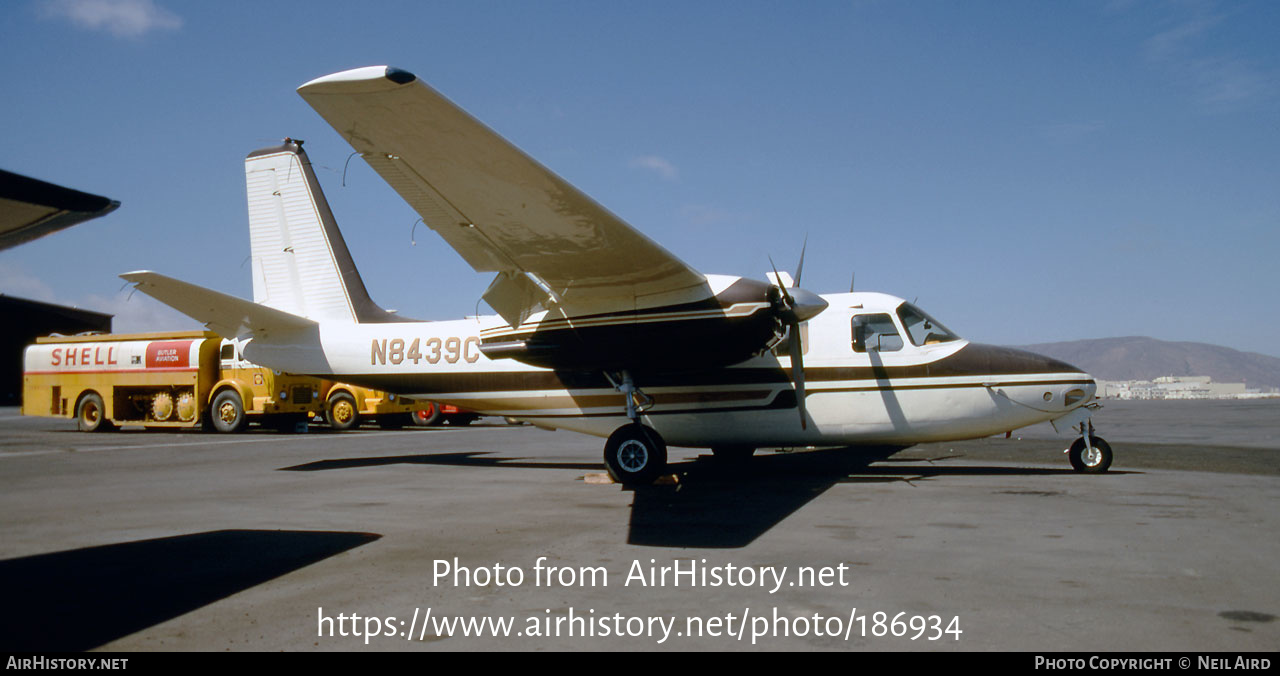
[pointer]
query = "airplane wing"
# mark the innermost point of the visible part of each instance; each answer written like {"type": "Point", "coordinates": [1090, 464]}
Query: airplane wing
{"type": "Point", "coordinates": [496, 206]}
{"type": "Point", "coordinates": [31, 208]}
{"type": "Point", "coordinates": [227, 316]}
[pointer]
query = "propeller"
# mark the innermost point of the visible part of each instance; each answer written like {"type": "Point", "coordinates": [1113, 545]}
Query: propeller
{"type": "Point", "coordinates": [791, 309]}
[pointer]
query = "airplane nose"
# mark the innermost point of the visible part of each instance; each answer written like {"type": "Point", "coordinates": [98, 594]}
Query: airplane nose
{"type": "Point", "coordinates": [1060, 385]}
{"type": "Point", "coordinates": [807, 304]}
{"type": "Point", "coordinates": [998, 359]}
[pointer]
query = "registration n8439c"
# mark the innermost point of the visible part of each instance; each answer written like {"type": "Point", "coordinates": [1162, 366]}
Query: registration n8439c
{"type": "Point", "coordinates": [451, 350]}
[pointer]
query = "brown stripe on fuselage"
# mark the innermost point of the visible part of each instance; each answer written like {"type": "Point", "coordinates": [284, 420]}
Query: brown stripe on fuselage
{"type": "Point", "coordinates": [972, 360]}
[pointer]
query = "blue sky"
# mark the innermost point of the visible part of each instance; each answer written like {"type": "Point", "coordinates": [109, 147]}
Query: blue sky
{"type": "Point", "coordinates": [1030, 171]}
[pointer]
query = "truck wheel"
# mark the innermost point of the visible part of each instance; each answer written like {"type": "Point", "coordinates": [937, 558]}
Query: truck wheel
{"type": "Point", "coordinates": [342, 412]}
{"type": "Point", "coordinates": [91, 414]}
{"type": "Point", "coordinates": [227, 413]}
{"type": "Point", "coordinates": [427, 416]}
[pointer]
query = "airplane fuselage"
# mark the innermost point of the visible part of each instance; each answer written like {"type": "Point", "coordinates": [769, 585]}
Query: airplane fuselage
{"type": "Point", "coordinates": [896, 392]}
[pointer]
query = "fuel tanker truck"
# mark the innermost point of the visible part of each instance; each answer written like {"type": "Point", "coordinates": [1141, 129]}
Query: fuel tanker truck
{"type": "Point", "coordinates": [187, 379]}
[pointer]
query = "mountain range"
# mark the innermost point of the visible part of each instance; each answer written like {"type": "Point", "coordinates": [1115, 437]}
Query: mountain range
{"type": "Point", "coordinates": [1142, 358]}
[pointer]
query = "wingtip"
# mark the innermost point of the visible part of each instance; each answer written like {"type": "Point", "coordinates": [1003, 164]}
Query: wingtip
{"type": "Point", "coordinates": [399, 75]}
{"type": "Point", "coordinates": [360, 79]}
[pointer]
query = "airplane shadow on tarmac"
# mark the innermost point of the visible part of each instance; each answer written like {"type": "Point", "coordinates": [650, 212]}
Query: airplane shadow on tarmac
{"type": "Point", "coordinates": [721, 505]}
{"type": "Point", "coordinates": [716, 504]}
{"type": "Point", "coordinates": [83, 598]}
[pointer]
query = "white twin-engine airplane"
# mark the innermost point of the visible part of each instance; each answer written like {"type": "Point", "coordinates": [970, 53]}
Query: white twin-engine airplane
{"type": "Point", "coordinates": [599, 329]}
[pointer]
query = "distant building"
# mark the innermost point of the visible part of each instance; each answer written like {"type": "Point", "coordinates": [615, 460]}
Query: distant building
{"type": "Point", "coordinates": [1179, 387]}
{"type": "Point", "coordinates": [28, 319]}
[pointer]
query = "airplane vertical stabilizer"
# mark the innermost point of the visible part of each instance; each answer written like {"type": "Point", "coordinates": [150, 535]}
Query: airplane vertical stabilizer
{"type": "Point", "coordinates": [301, 264]}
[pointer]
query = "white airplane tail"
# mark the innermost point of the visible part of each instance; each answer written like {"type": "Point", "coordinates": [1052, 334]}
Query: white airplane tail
{"type": "Point", "coordinates": [301, 264]}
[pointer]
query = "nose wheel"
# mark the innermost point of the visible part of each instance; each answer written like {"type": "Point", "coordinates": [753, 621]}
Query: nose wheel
{"type": "Point", "coordinates": [1089, 454]}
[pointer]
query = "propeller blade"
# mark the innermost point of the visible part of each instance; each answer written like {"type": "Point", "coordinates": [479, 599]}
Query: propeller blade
{"type": "Point", "coordinates": [797, 371]}
{"type": "Point", "coordinates": [778, 282]}
{"type": "Point", "coordinates": [800, 265]}
{"type": "Point", "coordinates": [792, 312]}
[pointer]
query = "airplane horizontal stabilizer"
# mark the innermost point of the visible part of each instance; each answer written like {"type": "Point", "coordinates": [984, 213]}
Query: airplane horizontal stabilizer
{"type": "Point", "coordinates": [228, 316]}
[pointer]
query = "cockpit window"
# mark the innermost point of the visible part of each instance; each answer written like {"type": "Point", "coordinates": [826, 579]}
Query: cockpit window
{"type": "Point", "coordinates": [875, 333]}
{"type": "Point", "coordinates": [921, 328]}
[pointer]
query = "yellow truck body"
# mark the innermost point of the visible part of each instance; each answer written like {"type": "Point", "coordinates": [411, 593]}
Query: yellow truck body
{"type": "Point", "coordinates": [171, 379]}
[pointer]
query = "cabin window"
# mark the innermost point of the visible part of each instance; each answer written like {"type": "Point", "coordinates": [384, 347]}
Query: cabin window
{"type": "Point", "coordinates": [875, 333]}
{"type": "Point", "coordinates": [228, 352]}
{"type": "Point", "coordinates": [921, 328]}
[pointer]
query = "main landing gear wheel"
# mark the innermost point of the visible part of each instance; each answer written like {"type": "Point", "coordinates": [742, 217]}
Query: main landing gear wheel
{"type": "Point", "coordinates": [1094, 459]}
{"type": "Point", "coordinates": [635, 455]}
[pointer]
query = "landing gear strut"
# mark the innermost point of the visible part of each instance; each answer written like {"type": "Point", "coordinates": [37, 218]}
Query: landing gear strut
{"type": "Point", "coordinates": [635, 454]}
{"type": "Point", "coordinates": [637, 402]}
{"type": "Point", "coordinates": [1089, 454]}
